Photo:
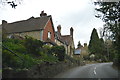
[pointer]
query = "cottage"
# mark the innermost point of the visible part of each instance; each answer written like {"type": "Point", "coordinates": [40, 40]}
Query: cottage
{"type": "Point", "coordinates": [82, 51]}
{"type": "Point", "coordinates": [40, 28]}
{"type": "Point", "coordinates": [66, 40]}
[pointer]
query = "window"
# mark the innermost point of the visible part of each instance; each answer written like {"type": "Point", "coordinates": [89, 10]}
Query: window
{"type": "Point", "coordinates": [41, 35]}
{"type": "Point", "coordinates": [49, 35]}
{"type": "Point", "coordinates": [10, 36]}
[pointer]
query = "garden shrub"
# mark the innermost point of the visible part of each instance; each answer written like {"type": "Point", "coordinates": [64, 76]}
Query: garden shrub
{"type": "Point", "coordinates": [23, 61]}
{"type": "Point", "coordinates": [59, 52]}
{"type": "Point", "coordinates": [116, 60]}
{"type": "Point", "coordinates": [10, 60]}
{"type": "Point", "coordinates": [31, 52]}
{"type": "Point", "coordinates": [29, 61]}
{"type": "Point", "coordinates": [33, 46]}
{"type": "Point", "coordinates": [15, 45]}
{"type": "Point", "coordinates": [67, 57]}
{"type": "Point", "coordinates": [50, 58]}
{"type": "Point", "coordinates": [47, 49]}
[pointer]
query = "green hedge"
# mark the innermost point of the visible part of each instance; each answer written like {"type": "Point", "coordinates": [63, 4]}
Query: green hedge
{"type": "Point", "coordinates": [59, 51]}
{"type": "Point", "coordinates": [30, 52]}
{"type": "Point", "coordinates": [116, 60]}
{"type": "Point", "coordinates": [33, 46]}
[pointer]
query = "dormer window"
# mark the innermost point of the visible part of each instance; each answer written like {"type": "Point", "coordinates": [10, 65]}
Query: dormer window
{"type": "Point", "coordinates": [49, 35]}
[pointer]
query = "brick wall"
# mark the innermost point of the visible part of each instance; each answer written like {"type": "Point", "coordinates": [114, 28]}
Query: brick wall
{"type": "Point", "coordinates": [47, 29]}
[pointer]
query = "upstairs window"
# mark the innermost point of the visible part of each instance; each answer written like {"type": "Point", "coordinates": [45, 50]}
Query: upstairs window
{"type": "Point", "coordinates": [49, 35]}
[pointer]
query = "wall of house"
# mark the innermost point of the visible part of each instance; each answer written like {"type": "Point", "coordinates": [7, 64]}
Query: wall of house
{"type": "Point", "coordinates": [61, 44]}
{"type": "Point", "coordinates": [33, 34]}
{"type": "Point", "coordinates": [68, 50]}
{"type": "Point", "coordinates": [48, 28]}
{"type": "Point", "coordinates": [58, 42]}
{"type": "Point", "coordinates": [71, 49]}
{"type": "Point", "coordinates": [84, 51]}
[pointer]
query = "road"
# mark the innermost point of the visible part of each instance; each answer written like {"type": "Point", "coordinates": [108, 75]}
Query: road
{"type": "Point", "coordinates": [98, 70]}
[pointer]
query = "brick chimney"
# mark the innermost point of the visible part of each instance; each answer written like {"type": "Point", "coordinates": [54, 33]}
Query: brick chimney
{"type": "Point", "coordinates": [71, 32]}
{"type": "Point", "coordinates": [85, 44]}
{"type": "Point", "coordinates": [42, 14]}
{"type": "Point", "coordinates": [4, 23]}
{"type": "Point", "coordinates": [59, 28]}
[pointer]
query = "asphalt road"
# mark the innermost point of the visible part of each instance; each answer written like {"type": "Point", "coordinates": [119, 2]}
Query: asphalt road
{"type": "Point", "coordinates": [98, 70]}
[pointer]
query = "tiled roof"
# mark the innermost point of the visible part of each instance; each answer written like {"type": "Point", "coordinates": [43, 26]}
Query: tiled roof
{"type": "Point", "coordinates": [30, 24]}
{"type": "Point", "coordinates": [67, 39]}
{"type": "Point", "coordinates": [49, 41]}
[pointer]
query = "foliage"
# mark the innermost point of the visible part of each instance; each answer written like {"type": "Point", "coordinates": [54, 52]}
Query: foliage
{"type": "Point", "coordinates": [26, 60]}
{"type": "Point", "coordinates": [15, 45]}
{"type": "Point", "coordinates": [0, 35]}
{"type": "Point", "coordinates": [110, 12]}
{"type": "Point", "coordinates": [59, 52]}
{"type": "Point", "coordinates": [117, 60]}
{"type": "Point", "coordinates": [49, 58]}
{"type": "Point", "coordinates": [12, 3]}
{"type": "Point", "coordinates": [97, 46]}
{"type": "Point", "coordinates": [47, 49]}
{"type": "Point", "coordinates": [10, 60]}
{"type": "Point", "coordinates": [103, 50]}
{"type": "Point", "coordinates": [110, 15]}
{"type": "Point", "coordinates": [102, 45]}
{"type": "Point", "coordinates": [73, 60]}
{"type": "Point", "coordinates": [29, 61]}
{"type": "Point", "coordinates": [94, 44]}
{"type": "Point", "coordinates": [86, 57]}
{"type": "Point", "coordinates": [33, 46]}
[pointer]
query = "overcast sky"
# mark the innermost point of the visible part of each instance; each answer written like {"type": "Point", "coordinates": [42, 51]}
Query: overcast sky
{"type": "Point", "coordinates": [79, 14]}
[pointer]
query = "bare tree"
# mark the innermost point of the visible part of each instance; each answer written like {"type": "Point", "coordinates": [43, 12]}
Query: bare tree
{"type": "Point", "coordinates": [101, 32]}
{"type": "Point", "coordinates": [12, 3]}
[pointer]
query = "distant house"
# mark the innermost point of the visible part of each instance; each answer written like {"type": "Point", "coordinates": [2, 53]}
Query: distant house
{"type": "Point", "coordinates": [66, 40]}
{"type": "Point", "coordinates": [40, 28]}
{"type": "Point", "coordinates": [81, 51]}
{"type": "Point", "coordinates": [77, 51]}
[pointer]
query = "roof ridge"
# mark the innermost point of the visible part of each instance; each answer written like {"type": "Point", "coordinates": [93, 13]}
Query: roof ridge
{"type": "Point", "coordinates": [27, 25]}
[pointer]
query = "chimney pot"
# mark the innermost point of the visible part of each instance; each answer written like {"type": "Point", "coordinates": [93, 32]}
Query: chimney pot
{"type": "Point", "coordinates": [85, 44]}
{"type": "Point", "coordinates": [4, 22]}
{"type": "Point", "coordinates": [71, 31]}
{"type": "Point", "coordinates": [59, 28]}
{"type": "Point", "coordinates": [43, 14]}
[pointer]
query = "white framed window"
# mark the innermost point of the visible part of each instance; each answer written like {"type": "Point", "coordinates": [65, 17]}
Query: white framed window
{"type": "Point", "coordinates": [49, 35]}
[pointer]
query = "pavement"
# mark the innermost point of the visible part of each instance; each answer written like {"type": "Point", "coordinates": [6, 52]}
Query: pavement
{"type": "Point", "coordinates": [97, 70]}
